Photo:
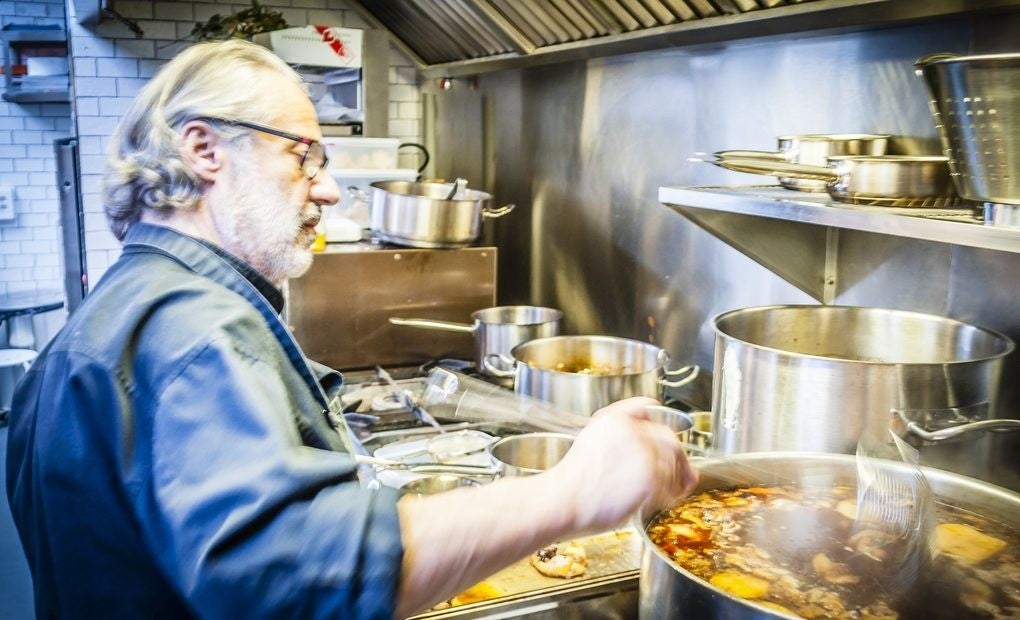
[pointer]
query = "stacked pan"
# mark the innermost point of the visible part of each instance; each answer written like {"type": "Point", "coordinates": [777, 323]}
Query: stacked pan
{"type": "Point", "coordinates": [852, 168]}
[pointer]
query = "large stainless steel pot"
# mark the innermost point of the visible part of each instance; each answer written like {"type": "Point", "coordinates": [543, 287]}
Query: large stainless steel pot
{"type": "Point", "coordinates": [812, 150]}
{"type": "Point", "coordinates": [581, 374]}
{"type": "Point", "coordinates": [668, 591]}
{"type": "Point", "coordinates": [976, 104]}
{"type": "Point", "coordinates": [497, 330]}
{"type": "Point", "coordinates": [819, 378]}
{"type": "Point", "coordinates": [429, 215]}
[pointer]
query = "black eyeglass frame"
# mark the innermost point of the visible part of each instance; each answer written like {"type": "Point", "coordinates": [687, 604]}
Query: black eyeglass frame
{"type": "Point", "coordinates": [284, 134]}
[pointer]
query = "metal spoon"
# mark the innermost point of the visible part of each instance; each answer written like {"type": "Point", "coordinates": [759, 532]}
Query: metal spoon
{"type": "Point", "coordinates": [459, 185]}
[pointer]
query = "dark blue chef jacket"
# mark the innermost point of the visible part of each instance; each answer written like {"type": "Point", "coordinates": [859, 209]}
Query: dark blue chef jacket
{"type": "Point", "coordinates": [169, 455]}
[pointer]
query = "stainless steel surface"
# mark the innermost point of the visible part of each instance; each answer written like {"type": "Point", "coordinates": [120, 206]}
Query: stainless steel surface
{"type": "Point", "coordinates": [823, 378]}
{"type": "Point", "coordinates": [812, 150]}
{"type": "Point", "coordinates": [977, 111]}
{"type": "Point", "coordinates": [497, 330]}
{"type": "Point", "coordinates": [881, 181]}
{"type": "Point", "coordinates": [339, 310]}
{"type": "Point", "coordinates": [469, 37]}
{"type": "Point", "coordinates": [72, 222]}
{"type": "Point", "coordinates": [1004, 215]}
{"type": "Point", "coordinates": [530, 453]}
{"type": "Point", "coordinates": [667, 591]}
{"type": "Point", "coordinates": [583, 148]}
{"type": "Point", "coordinates": [423, 215]}
{"type": "Point", "coordinates": [959, 226]}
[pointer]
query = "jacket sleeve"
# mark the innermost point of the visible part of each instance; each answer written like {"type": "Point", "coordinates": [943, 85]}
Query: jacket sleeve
{"type": "Point", "coordinates": [246, 520]}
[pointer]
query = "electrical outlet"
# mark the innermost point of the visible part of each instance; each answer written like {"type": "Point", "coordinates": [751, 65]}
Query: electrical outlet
{"type": "Point", "coordinates": [6, 203]}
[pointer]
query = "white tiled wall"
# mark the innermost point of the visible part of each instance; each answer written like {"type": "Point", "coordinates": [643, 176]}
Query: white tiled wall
{"type": "Point", "coordinates": [109, 66]}
{"type": "Point", "coordinates": [30, 244]}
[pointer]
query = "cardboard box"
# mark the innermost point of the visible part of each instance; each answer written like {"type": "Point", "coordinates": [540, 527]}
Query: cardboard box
{"type": "Point", "coordinates": [315, 46]}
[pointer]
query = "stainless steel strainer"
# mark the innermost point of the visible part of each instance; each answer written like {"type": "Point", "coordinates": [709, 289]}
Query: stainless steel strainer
{"type": "Point", "coordinates": [976, 104]}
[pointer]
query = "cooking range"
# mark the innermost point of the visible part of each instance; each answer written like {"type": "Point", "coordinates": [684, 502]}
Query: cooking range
{"type": "Point", "coordinates": [387, 427]}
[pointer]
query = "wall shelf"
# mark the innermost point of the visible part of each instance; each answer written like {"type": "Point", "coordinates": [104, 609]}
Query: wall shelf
{"type": "Point", "coordinates": [21, 89]}
{"type": "Point", "coordinates": [787, 231]}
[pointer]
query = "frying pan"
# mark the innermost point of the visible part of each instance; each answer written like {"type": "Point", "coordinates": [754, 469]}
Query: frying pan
{"type": "Point", "coordinates": [813, 149]}
{"type": "Point", "coordinates": [884, 180]}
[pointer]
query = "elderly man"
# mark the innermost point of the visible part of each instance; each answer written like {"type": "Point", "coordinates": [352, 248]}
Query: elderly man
{"type": "Point", "coordinates": [171, 452]}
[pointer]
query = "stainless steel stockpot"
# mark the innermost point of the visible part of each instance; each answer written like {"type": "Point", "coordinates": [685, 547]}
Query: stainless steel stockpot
{"type": "Point", "coordinates": [429, 215]}
{"type": "Point", "coordinates": [668, 591]}
{"type": "Point", "coordinates": [497, 330]}
{"type": "Point", "coordinates": [819, 378]}
{"type": "Point", "coordinates": [581, 374]}
{"type": "Point", "coordinates": [813, 149]}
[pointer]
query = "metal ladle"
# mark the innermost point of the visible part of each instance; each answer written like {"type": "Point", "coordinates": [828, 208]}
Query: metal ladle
{"type": "Point", "coordinates": [459, 185]}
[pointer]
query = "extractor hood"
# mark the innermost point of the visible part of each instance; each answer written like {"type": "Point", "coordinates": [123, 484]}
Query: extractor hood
{"type": "Point", "coordinates": [462, 37]}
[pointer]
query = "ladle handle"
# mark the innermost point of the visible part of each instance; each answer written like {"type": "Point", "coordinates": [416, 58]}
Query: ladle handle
{"type": "Point", "coordinates": [448, 326]}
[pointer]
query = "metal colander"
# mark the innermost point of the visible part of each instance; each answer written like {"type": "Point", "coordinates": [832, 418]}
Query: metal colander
{"type": "Point", "coordinates": [976, 104]}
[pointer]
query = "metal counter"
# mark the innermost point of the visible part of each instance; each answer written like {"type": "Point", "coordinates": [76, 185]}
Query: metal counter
{"type": "Point", "coordinates": [339, 310]}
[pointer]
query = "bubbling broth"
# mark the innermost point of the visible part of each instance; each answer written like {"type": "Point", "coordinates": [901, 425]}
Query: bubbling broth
{"type": "Point", "coordinates": [800, 551]}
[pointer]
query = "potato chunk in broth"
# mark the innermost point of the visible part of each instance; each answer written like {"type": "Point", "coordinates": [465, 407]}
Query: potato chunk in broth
{"type": "Point", "coordinates": [799, 551]}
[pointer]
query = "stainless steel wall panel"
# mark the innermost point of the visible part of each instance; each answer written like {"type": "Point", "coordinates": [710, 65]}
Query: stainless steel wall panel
{"type": "Point", "coordinates": [582, 148]}
{"type": "Point", "coordinates": [339, 310]}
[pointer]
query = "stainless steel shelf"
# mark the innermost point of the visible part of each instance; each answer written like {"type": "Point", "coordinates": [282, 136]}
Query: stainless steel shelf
{"type": "Point", "coordinates": [956, 226]}
{"type": "Point", "coordinates": [16, 95]}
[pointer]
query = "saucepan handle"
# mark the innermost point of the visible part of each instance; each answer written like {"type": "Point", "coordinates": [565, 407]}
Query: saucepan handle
{"type": "Point", "coordinates": [493, 212]}
{"type": "Point", "coordinates": [778, 169]}
{"type": "Point", "coordinates": [496, 371]}
{"type": "Point", "coordinates": [448, 326]}
{"type": "Point", "coordinates": [686, 374]}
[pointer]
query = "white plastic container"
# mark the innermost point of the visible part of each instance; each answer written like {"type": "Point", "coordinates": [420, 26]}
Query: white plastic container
{"type": "Point", "coordinates": [345, 221]}
{"type": "Point", "coordinates": [357, 153]}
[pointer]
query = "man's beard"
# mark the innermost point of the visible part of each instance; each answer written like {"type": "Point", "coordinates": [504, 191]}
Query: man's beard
{"type": "Point", "coordinates": [268, 230]}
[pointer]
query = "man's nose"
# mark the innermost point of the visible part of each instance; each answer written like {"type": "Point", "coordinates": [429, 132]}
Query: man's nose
{"type": "Point", "coordinates": [324, 189]}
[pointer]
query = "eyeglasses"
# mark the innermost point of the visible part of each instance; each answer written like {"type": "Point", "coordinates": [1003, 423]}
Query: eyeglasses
{"type": "Point", "coordinates": [314, 158]}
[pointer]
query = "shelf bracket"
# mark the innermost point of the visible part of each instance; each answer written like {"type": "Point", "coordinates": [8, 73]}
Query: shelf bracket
{"type": "Point", "coordinates": [802, 254]}
{"type": "Point", "coordinates": [831, 261]}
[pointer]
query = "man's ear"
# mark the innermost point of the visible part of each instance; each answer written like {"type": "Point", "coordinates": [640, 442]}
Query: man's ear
{"type": "Point", "coordinates": [201, 149]}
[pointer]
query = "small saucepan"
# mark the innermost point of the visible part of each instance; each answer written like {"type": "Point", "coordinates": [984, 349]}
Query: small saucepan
{"type": "Point", "coordinates": [430, 215]}
{"type": "Point", "coordinates": [581, 374]}
{"type": "Point", "coordinates": [884, 180]}
{"type": "Point", "coordinates": [813, 149]}
{"type": "Point", "coordinates": [497, 330]}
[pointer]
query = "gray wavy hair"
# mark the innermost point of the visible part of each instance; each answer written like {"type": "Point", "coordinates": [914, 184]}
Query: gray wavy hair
{"type": "Point", "coordinates": [218, 80]}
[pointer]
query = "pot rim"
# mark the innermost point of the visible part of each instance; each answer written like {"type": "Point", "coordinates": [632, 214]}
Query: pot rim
{"type": "Point", "coordinates": [552, 315]}
{"type": "Point", "coordinates": [468, 195]}
{"type": "Point", "coordinates": [1008, 345]}
{"type": "Point", "coordinates": [834, 137]}
{"type": "Point", "coordinates": [645, 515]}
{"type": "Point", "coordinates": [661, 355]}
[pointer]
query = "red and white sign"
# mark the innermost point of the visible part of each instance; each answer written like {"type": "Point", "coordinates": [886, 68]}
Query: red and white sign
{"type": "Point", "coordinates": [317, 46]}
